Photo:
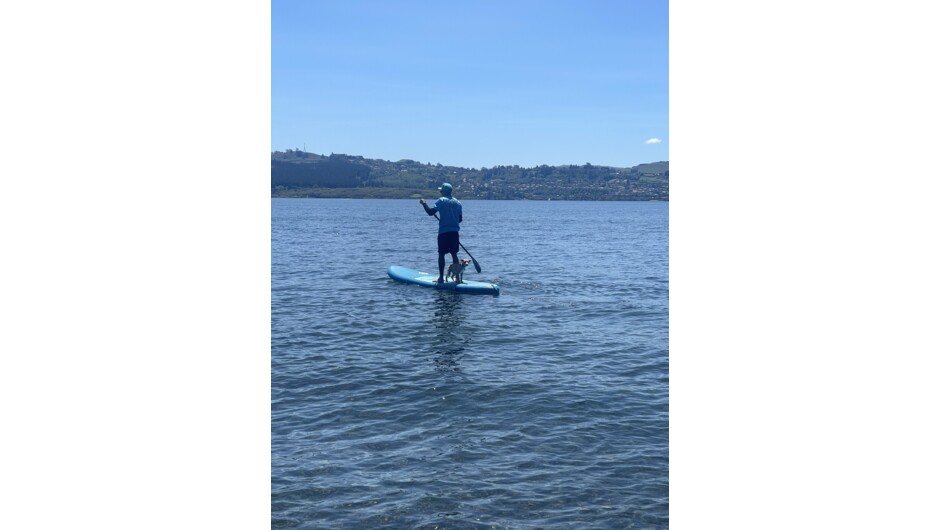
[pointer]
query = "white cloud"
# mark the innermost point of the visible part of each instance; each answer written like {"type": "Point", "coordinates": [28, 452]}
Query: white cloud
{"type": "Point", "coordinates": [654, 141]}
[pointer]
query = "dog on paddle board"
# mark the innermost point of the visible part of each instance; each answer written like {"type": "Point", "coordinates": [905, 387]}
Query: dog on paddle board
{"type": "Point", "coordinates": [455, 270]}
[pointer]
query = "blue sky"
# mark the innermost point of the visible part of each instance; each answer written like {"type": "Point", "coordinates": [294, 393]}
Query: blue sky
{"type": "Point", "coordinates": [473, 84]}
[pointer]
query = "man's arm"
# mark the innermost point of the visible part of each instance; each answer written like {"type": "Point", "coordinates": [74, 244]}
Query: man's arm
{"type": "Point", "coordinates": [429, 209]}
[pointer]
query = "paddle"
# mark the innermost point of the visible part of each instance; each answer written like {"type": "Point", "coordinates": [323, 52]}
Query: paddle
{"type": "Point", "coordinates": [475, 264]}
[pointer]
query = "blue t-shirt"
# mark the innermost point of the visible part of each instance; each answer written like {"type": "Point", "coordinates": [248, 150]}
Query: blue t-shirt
{"type": "Point", "coordinates": [451, 213]}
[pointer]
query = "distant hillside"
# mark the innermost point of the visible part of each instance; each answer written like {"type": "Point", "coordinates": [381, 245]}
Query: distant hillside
{"type": "Point", "coordinates": [302, 174]}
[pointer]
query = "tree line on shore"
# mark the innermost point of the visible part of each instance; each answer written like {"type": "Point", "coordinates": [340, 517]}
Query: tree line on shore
{"type": "Point", "coordinates": [296, 173]}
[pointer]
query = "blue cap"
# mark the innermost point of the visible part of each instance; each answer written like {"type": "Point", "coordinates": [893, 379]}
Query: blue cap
{"type": "Point", "coordinates": [446, 188]}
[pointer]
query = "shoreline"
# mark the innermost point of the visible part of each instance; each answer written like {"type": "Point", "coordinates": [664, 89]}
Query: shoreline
{"type": "Point", "coordinates": [592, 195]}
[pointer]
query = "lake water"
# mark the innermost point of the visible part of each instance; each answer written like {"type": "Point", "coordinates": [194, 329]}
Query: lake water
{"type": "Point", "coordinates": [398, 406]}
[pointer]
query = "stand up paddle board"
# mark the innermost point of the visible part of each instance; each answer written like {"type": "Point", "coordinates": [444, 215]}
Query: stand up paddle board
{"type": "Point", "coordinates": [426, 279]}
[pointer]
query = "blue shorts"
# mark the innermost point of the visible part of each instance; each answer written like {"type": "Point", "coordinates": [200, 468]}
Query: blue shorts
{"type": "Point", "coordinates": [448, 242]}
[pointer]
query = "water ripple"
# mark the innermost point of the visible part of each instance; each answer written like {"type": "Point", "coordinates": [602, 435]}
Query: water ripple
{"type": "Point", "coordinates": [395, 406]}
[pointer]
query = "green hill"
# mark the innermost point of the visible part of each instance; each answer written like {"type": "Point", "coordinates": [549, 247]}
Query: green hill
{"type": "Point", "coordinates": [302, 174]}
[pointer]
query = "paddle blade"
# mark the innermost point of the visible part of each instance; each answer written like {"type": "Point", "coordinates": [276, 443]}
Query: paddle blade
{"type": "Point", "coordinates": [476, 265]}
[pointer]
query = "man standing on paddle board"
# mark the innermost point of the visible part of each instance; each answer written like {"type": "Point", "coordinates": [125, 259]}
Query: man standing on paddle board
{"type": "Point", "coordinates": [448, 232]}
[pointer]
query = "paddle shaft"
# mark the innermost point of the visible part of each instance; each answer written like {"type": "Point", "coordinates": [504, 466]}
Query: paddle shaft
{"type": "Point", "coordinates": [475, 264]}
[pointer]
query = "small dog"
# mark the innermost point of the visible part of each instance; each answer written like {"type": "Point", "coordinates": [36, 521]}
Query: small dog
{"type": "Point", "coordinates": [455, 270]}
